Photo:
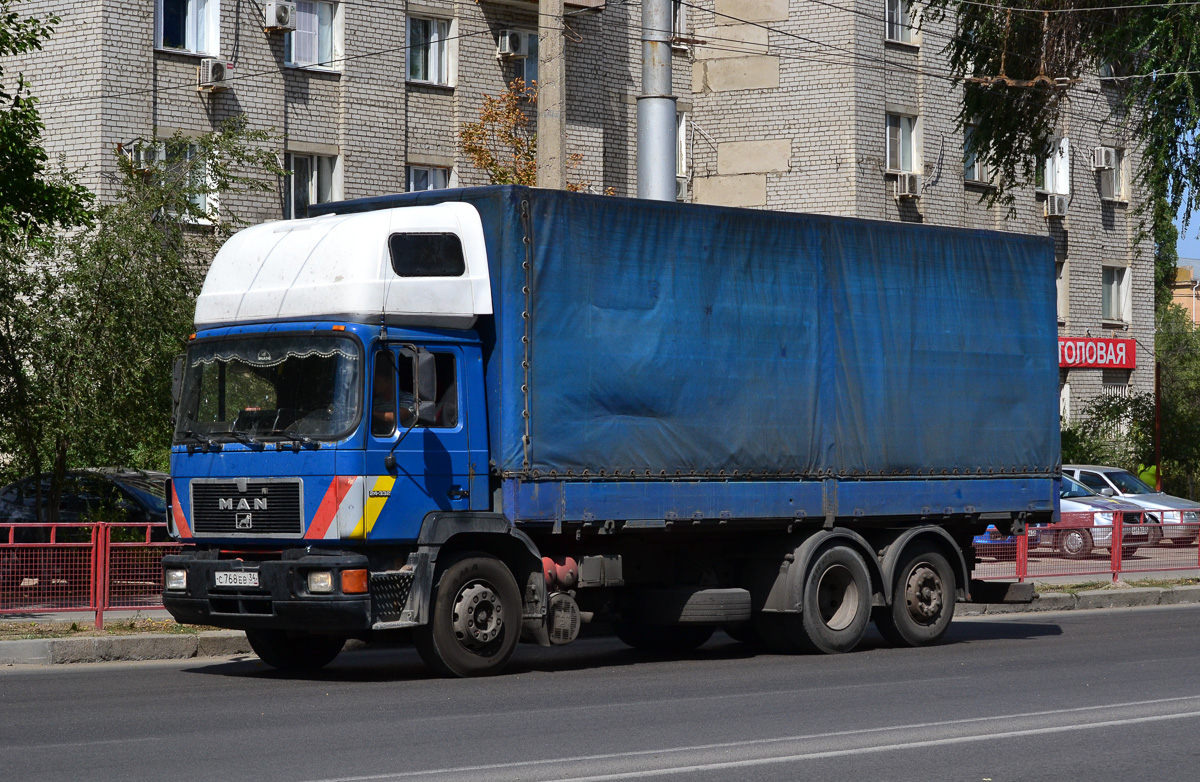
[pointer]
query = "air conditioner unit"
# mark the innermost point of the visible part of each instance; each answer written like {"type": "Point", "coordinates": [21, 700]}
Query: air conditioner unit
{"type": "Point", "coordinates": [512, 43]}
{"type": "Point", "coordinates": [1056, 205]}
{"type": "Point", "coordinates": [1104, 158]}
{"type": "Point", "coordinates": [279, 16]}
{"type": "Point", "coordinates": [680, 188]}
{"type": "Point", "coordinates": [213, 74]}
{"type": "Point", "coordinates": [908, 186]}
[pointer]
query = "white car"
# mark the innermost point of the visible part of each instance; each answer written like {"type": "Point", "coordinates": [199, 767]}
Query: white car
{"type": "Point", "coordinates": [1085, 523]}
{"type": "Point", "coordinates": [1180, 518]}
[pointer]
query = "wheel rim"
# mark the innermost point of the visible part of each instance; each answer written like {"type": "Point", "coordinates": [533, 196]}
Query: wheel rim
{"type": "Point", "coordinates": [837, 598]}
{"type": "Point", "coordinates": [924, 594]}
{"type": "Point", "coordinates": [1073, 542]}
{"type": "Point", "coordinates": [478, 616]}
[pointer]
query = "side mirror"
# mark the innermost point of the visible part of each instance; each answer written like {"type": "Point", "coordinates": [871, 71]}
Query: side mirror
{"type": "Point", "coordinates": [176, 382]}
{"type": "Point", "coordinates": [1106, 492]}
{"type": "Point", "coordinates": [425, 381]}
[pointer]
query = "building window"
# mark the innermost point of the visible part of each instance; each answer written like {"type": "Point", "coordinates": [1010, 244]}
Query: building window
{"type": "Point", "coordinates": [428, 50]}
{"type": "Point", "coordinates": [974, 169]}
{"type": "Point", "coordinates": [313, 42]}
{"type": "Point", "coordinates": [188, 25]}
{"type": "Point", "coordinates": [1053, 173]}
{"type": "Point", "coordinates": [311, 179]}
{"type": "Point", "coordinates": [1064, 401]}
{"type": "Point", "coordinates": [1114, 294]}
{"type": "Point", "coordinates": [898, 18]}
{"type": "Point", "coordinates": [427, 178]}
{"type": "Point", "coordinates": [681, 145]}
{"type": "Point", "coordinates": [527, 67]}
{"type": "Point", "coordinates": [901, 143]}
{"type": "Point", "coordinates": [1112, 180]}
{"type": "Point", "coordinates": [1060, 283]}
{"type": "Point", "coordinates": [678, 18]}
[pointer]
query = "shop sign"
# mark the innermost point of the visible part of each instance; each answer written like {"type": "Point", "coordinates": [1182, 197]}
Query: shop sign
{"type": "Point", "coordinates": [1097, 352]}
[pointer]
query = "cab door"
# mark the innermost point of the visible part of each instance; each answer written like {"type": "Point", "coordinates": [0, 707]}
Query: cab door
{"type": "Point", "coordinates": [432, 466]}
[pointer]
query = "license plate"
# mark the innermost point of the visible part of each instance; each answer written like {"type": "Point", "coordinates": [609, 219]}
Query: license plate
{"type": "Point", "coordinates": [237, 578]}
{"type": "Point", "coordinates": [1137, 530]}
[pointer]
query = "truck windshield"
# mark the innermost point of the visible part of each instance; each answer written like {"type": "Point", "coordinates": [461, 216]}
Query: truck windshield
{"type": "Point", "coordinates": [262, 386]}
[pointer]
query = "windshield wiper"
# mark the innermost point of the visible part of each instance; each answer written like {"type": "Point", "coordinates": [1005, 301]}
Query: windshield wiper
{"type": "Point", "coordinates": [241, 437]}
{"type": "Point", "coordinates": [206, 443]}
{"type": "Point", "coordinates": [296, 438]}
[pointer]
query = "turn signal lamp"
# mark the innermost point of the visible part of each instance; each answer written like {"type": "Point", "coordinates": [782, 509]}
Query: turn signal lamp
{"type": "Point", "coordinates": [320, 582]}
{"type": "Point", "coordinates": [176, 579]}
{"type": "Point", "coordinates": [354, 582]}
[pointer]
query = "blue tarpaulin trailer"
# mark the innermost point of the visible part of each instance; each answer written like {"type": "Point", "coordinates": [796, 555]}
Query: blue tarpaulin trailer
{"type": "Point", "coordinates": [673, 416]}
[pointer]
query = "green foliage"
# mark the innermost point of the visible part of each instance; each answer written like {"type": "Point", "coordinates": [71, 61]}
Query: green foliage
{"type": "Point", "coordinates": [31, 198]}
{"type": "Point", "coordinates": [91, 319]}
{"type": "Point", "coordinates": [1011, 56]}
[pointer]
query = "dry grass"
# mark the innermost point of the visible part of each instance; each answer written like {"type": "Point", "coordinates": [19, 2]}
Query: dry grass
{"type": "Point", "coordinates": [16, 631]}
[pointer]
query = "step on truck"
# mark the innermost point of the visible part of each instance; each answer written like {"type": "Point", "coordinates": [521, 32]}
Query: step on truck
{"type": "Point", "coordinates": [466, 418]}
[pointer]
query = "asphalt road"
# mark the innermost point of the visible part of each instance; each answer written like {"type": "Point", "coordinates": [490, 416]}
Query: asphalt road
{"type": "Point", "coordinates": [1086, 695]}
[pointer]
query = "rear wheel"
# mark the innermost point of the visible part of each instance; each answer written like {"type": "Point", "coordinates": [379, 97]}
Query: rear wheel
{"type": "Point", "coordinates": [1074, 543]}
{"type": "Point", "coordinates": [475, 619]}
{"type": "Point", "coordinates": [294, 652]}
{"type": "Point", "coordinates": [922, 600]}
{"type": "Point", "coordinates": [835, 607]}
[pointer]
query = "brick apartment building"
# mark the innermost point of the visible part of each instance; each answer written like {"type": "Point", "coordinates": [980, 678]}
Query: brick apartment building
{"type": "Point", "coordinates": [804, 105]}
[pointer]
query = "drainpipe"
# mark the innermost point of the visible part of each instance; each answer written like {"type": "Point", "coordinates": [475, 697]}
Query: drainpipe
{"type": "Point", "coordinates": [656, 106]}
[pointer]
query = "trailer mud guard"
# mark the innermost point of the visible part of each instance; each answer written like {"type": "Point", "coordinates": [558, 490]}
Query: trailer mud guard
{"type": "Point", "coordinates": [785, 593]}
{"type": "Point", "coordinates": [896, 548]}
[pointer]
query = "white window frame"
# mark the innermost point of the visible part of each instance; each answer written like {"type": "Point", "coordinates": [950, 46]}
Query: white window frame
{"type": "Point", "coordinates": [1113, 181]}
{"type": "Point", "coordinates": [437, 55]}
{"type": "Point", "coordinates": [437, 177]}
{"type": "Point", "coordinates": [1062, 286]}
{"type": "Point", "coordinates": [902, 134]}
{"type": "Point", "coordinates": [678, 18]}
{"type": "Point", "coordinates": [1054, 171]}
{"type": "Point", "coordinates": [202, 26]}
{"type": "Point", "coordinates": [327, 47]}
{"type": "Point", "coordinates": [975, 170]}
{"type": "Point", "coordinates": [523, 63]}
{"type": "Point", "coordinates": [1064, 402]}
{"type": "Point", "coordinates": [1115, 293]}
{"type": "Point", "coordinates": [681, 145]}
{"type": "Point", "coordinates": [322, 170]}
{"type": "Point", "coordinates": [898, 27]}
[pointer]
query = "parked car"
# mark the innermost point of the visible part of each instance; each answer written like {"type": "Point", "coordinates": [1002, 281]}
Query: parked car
{"type": "Point", "coordinates": [993, 543]}
{"type": "Point", "coordinates": [113, 495]}
{"type": "Point", "coordinates": [1180, 518]}
{"type": "Point", "coordinates": [1085, 523]}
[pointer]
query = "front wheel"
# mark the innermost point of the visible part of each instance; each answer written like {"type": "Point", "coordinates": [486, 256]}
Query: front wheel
{"type": "Point", "coordinates": [295, 652]}
{"type": "Point", "coordinates": [1075, 543]}
{"type": "Point", "coordinates": [475, 619]}
{"type": "Point", "coordinates": [922, 600]}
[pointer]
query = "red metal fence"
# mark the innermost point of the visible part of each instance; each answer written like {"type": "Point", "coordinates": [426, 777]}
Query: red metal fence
{"type": "Point", "coordinates": [1081, 544]}
{"type": "Point", "coordinates": [81, 567]}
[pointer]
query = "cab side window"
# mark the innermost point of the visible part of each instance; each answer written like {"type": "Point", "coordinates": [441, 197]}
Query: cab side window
{"type": "Point", "coordinates": [445, 395]}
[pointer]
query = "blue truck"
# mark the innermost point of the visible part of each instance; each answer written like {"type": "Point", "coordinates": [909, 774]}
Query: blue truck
{"type": "Point", "coordinates": [466, 418]}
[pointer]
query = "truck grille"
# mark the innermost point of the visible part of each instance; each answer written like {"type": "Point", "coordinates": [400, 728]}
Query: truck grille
{"type": "Point", "coordinates": [248, 507]}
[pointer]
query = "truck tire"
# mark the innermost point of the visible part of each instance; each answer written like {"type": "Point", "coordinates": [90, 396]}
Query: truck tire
{"type": "Point", "coordinates": [474, 619]}
{"type": "Point", "coordinates": [292, 652]}
{"type": "Point", "coordinates": [836, 608]}
{"type": "Point", "coordinates": [922, 600]}
{"type": "Point", "coordinates": [663, 639]}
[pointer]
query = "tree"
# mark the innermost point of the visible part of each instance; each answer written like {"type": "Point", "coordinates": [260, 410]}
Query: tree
{"type": "Point", "coordinates": [1017, 61]}
{"type": "Point", "coordinates": [91, 319]}
{"type": "Point", "coordinates": [503, 144]}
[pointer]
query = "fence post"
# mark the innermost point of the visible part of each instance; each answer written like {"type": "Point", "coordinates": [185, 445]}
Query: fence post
{"type": "Point", "coordinates": [1023, 555]}
{"type": "Point", "coordinates": [100, 571]}
{"type": "Point", "coordinates": [1116, 547]}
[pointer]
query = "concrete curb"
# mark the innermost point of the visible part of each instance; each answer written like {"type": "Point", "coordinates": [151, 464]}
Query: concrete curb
{"type": "Point", "coordinates": [1092, 599]}
{"type": "Point", "coordinates": [230, 643]}
{"type": "Point", "coordinates": [95, 649]}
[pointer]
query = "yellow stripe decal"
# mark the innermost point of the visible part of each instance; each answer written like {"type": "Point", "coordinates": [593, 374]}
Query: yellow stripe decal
{"type": "Point", "coordinates": [377, 497]}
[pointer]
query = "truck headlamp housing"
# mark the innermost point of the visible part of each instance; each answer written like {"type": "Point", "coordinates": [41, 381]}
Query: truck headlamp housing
{"type": "Point", "coordinates": [320, 582]}
{"type": "Point", "coordinates": [176, 578]}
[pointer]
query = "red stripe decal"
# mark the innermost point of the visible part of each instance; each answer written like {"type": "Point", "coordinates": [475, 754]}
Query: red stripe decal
{"type": "Point", "coordinates": [327, 510]}
{"type": "Point", "coordinates": [181, 524]}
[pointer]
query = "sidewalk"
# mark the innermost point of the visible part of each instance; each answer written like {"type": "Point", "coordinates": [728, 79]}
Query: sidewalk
{"type": "Point", "coordinates": [229, 643]}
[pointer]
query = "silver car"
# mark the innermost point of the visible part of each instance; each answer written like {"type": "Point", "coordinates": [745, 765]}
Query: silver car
{"type": "Point", "coordinates": [1085, 522]}
{"type": "Point", "coordinates": [1180, 518]}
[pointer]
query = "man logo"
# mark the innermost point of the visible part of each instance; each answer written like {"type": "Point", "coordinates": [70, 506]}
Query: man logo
{"type": "Point", "coordinates": [243, 521]}
{"type": "Point", "coordinates": [260, 503]}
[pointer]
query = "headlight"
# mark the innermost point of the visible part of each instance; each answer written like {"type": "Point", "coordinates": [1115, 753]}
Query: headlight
{"type": "Point", "coordinates": [176, 578]}
{"type": "Point", "coordinates": [320, 582]}
{"type": "Point", "coordinates": [1191, 517]}
{"type": "Point", "coordinates": [1103, 520]}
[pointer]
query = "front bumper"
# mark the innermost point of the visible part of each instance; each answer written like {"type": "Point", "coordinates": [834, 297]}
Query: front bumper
{"type": "Point", "coordinates": [281, 600]}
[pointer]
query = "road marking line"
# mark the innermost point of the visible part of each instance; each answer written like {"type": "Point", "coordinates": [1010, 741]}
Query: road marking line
{"type": "Point", "coordinates": [808, 737]}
